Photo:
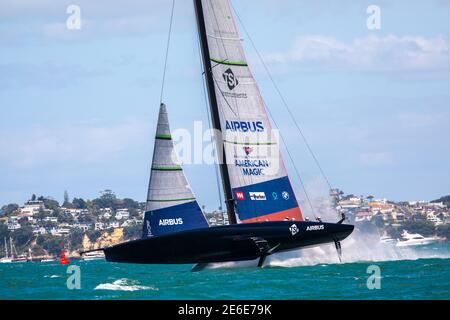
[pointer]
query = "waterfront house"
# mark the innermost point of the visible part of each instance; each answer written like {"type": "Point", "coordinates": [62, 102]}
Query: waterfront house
{"type": "Point", "coordinates": [122, 214]}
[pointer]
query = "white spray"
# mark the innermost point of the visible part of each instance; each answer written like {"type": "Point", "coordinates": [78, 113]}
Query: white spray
{"type": "Point", "coordinates": [358, 247]}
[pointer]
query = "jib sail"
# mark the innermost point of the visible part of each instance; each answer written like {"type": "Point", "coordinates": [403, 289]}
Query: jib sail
{"type": "Point", "coordinates": [171, 204]}
{"type": "Point", "coordinates": [259, 187]}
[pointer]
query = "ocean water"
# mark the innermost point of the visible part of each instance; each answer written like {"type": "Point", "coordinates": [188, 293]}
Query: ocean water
{"type": "Point", "coordinates": [423, 273]}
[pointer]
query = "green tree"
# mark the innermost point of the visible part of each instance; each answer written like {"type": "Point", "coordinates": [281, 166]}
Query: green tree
{"type": "Point", "coordinates": [23, 236]}
{"type": "Point", "coordinates": [50, 203]}
{"type": "Point", "coordinates": [79, 203]}
{"type": "Point", "coordinates": [50, 243]}
{"type": "Point", "coordinates": [93, 235]}
{"type": "Point", "coordinates": [48, 224]}
{"type": "Point", "coordinates": [4, 232]}
{"type": "Point", "coordinates": [443, 231]}
{"type": "Point", "coordinates": [107, 200]}
{"type": "Point", "coordinates": [52, 246]}
{"type": "Point", "coordinates": [76, 238]}
{"type": "Point", "coordinates": [64, 217]}
{"type": "Point", "coordinates": [135, 213]}
{"type": "Point", "coordinates": [10, 208]}
{"type": "Point", "coordinates": [40, 215]}
{"type": "Point", "coordinates": [444, 199]}
{"type": "Point", "coordinates": [424, 227]}
{"type": "Point", "coordinates": [41, 239]}
{"type": "Point", "coordinates": [129, 204]}
{"type": "Point", "coordinates": [87, 218]}
{"type": "Point", "coordinates": [66, 203]}
{"type": "Point", "coordinates": [132, 232]}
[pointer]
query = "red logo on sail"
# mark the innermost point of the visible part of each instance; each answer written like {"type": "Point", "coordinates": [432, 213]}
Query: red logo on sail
{"type": "Point", "coordinates": [240, 195]}
{"type": "Point", "coordinates": [248, 150]}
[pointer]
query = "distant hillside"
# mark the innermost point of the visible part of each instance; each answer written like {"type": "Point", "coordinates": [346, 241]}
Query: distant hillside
{"type": "Point", "coordinates": [444, 199]}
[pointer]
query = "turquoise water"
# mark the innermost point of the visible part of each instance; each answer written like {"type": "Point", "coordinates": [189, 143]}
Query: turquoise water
{"type": "Point", "coordinates": [425, 278]}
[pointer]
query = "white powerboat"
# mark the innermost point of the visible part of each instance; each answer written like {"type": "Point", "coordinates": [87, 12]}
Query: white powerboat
{"type": "Point", "coordinates": [414, 239]}
{"type": "Point", "coordinates": [387, 239]}
{"type": "Point", "coordinates": [94, 255]}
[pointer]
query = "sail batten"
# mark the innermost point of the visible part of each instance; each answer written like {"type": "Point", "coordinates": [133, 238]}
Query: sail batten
{"type": "Point", "coordinates": [230, 63]}
{"type": "Point", "coordinates": [260, 187]}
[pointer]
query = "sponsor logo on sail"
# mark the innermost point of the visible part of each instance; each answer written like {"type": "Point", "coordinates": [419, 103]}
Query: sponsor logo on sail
{"type": "Point", "coordinates": [170, 222]}
{"type": "Point", "coordinates": [257, 196]}
{"type": "Point", "coordinates": [315, 227]}
{"type": "Point", "coordinates": [252, 167]}
{"type": "Point", "coordinates": [244, 126]}
{"type": "Point", "coordinates": [285, 195]}
{"type": "Point", "coordinates": [240, 195]}
{"type": "Point", "coordinates": [294, 229]}
{"type": "Point", "coordinates": [230, 79]}
{"type": "Point", "coordinates": [248, 150]}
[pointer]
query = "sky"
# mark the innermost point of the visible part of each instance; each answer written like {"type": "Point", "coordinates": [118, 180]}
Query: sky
{"type": "Point", "coordinates": [78, 108]}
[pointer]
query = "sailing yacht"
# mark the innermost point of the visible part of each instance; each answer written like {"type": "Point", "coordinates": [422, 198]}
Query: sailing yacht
{"type": "Point", "coordinates": [13, 257]}
{"type": "Point", "coordinates": [6, 258]}
{"type": "Point", "coordinates": [263, 212]}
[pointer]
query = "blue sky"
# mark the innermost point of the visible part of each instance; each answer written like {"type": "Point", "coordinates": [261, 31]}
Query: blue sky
{"type": "Point", "coordinates": [79, 107]}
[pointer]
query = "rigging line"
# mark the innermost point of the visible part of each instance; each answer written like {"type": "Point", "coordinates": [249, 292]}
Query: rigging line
{"type": "Point", "coordinates": [209, 125]}
{"type": "Point", "coordinates": [283, 100]}
{"type": "Point", "coordinates": [308, 199]}
{"type": "Point", "coordinates": [167, 52]}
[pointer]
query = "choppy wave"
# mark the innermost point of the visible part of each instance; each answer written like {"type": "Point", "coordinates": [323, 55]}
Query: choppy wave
{"type": "Point", "coordinates": [123, 285]}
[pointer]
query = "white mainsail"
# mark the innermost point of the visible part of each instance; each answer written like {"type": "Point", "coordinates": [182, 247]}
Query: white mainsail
{"type": "Point", "coordinates": [260, 186]}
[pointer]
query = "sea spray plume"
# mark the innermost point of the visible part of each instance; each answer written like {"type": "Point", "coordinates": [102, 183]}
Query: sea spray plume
{"type": "Point", "coordinates": [362, 245]}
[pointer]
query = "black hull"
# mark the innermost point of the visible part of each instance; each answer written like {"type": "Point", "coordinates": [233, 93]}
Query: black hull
{"type": "Point", "coordinates": [227, 243]}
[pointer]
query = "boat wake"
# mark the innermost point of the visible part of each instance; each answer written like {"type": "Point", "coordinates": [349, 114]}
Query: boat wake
{"type": "Point", "coordinates": [356, 248]}
{"type": "Point", "coordinates": [123, 285]}
{"type": "Point", "coordinates": [361, 246]}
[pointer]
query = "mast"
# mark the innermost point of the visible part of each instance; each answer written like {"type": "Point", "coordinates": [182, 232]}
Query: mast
{"type": "Point", "coordinates": [11, 245]}
{"type": "Point", "coordinates": [6, 247]}
{"type": "Point", "coordinates": [229, 200]}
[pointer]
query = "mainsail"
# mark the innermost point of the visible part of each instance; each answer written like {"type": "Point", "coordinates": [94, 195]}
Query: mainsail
{"type": "Point", "coordinates": [171, 204]}
{"type": "Point", "coordinates": [259, 187]}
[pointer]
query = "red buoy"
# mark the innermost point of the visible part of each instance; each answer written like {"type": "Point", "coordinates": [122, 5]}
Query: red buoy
{"type": "Point", "coordinates": [63, 259]}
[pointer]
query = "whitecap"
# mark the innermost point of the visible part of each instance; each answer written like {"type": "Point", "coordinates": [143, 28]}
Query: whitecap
{"type": "Point", "coordinates": [123, 285]}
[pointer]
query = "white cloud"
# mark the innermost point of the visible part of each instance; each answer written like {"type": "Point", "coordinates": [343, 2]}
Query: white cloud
{"type": "Point", "coordinates": [371, 53]}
